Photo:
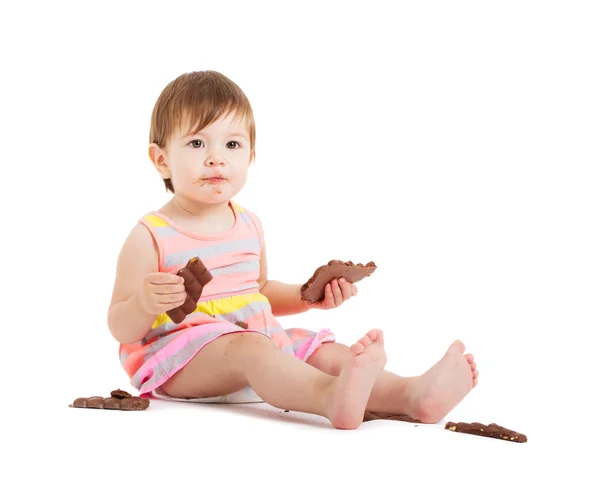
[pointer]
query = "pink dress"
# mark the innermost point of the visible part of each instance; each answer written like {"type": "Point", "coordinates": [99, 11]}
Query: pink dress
{"type": "Point", "coordinates": [231, 296]}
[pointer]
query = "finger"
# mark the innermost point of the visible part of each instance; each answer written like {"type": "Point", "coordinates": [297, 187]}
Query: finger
{"type": "Point", "coordinates": [338, 298]}
{"type": "Point", "coordinates": [354, 289]}
{"type": "Point", "coordinates": [171, 299]}
{"type": "Point", "coordinates": [167, 307]}
{"type": "Point", "coordinates": [167, 289]}
{"type": "Point", "coordinates": [328, 301]}
{"type": "Point", "coordinates": [159, 278]}
{"type": "Point", "coordinates": [163, 289]}
{"type": "Point", "coordinates": [346, 288]}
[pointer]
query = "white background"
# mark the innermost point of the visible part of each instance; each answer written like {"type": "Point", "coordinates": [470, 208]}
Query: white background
{"type": "Point", "coordinates": [453, 143]}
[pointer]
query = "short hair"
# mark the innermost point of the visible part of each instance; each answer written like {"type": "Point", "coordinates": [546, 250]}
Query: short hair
{"type": "Point", "coordinates": [201, 97]}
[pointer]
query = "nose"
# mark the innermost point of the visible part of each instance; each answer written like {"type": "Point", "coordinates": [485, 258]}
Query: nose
{"type": "Point", "coordinates": [214, 160]}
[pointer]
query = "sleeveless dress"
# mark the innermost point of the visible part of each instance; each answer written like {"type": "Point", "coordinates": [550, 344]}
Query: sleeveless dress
{"type": "Point", "coordinates": [231, 296]}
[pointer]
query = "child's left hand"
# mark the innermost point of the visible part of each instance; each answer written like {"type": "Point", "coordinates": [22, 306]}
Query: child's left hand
{"type": "Point", "coordinates": [336, 293]}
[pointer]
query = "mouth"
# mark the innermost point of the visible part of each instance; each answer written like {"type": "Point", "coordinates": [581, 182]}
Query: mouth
{"type": "Point", "coordinates": [218, 179]}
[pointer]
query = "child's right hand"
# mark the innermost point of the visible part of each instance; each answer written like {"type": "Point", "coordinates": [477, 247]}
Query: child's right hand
{"type": "Point", "coordinates": [161, 292]}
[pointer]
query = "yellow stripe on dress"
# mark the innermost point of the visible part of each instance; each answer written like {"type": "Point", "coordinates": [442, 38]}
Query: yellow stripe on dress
{"type": "Point", "coordinates": [220, 306]}
{"type": "Point", "coordinates": [155, 221]}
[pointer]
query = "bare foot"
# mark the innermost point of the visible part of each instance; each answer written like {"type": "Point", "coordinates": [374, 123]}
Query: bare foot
{"type": "Point", "coordinates": [349, 392]}
{"type": "Point", "coordinates": [443, 386]}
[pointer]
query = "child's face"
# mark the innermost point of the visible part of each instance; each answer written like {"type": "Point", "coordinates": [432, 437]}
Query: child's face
{"type": "Point", "coordinates": [221, 149]}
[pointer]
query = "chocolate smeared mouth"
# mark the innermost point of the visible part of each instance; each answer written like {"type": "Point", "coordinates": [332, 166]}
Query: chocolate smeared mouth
{"type": "Point", "coordinates": [211, 179]}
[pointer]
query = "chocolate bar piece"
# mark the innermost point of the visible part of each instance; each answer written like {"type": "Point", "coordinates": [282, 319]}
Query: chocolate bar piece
{"type": "Point", "coordinates": [314, 290]}
{"type": "Point", "coordinates": [490, 431]}
{"type": "Point", "coordinates": [243, 325]}
{"type": "Point", "coordinates": [195, 276]}
{"type": "Point", "coordinates": [369, 416]}
{"type": "Point", "coordinates": [132, 403]}
{"type": "Point", "coordinates": [119, 394]}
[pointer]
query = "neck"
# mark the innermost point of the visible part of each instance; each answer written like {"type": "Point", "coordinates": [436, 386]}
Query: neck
{"type": "Point", "coordinates": [195, 209]}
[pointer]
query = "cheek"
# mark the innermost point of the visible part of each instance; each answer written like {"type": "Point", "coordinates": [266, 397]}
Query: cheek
{"type": "Point", "coordinates": [189, 172]}
{"type": "Point", "coordinates": [241, 176]}
{"type": "Point", "coordinates": [186, 171]}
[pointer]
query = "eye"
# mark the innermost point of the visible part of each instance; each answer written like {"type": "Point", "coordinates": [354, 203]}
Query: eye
{"type": "Point", "coordinates": [195, 143]}
{"type": "Point", "coordinates": [233, 142]}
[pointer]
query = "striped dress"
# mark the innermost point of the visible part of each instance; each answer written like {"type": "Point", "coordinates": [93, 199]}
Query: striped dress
{"type": "Point", "coordinates": [231, 296]}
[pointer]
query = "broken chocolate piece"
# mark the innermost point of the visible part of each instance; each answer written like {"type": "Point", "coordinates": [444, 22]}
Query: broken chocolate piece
{"type": "Point", "coordinates": [132, 403]}
{"type": "Point", "coordinates": [490, 431]}
{"type": "Point", "coordinates": [119, 394]}
{"type": "Point", "coordinates": [369, 416]}
{"type": "Point", "coordinates": [243, 325]}
{"type": "Point", "coordinates": [195, 276]}
{"type": "Point", "coordinates": [314, 289]}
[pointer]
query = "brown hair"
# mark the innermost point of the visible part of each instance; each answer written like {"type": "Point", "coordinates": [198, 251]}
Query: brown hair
{"type": "Point", "coordinates": [203, 97]}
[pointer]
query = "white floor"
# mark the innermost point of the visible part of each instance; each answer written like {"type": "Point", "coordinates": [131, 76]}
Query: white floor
{"type": "Point", "coordinates": [190, 441]}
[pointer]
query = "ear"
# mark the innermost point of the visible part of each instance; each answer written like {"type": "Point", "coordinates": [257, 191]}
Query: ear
{"type": "Point", "coordinates": [158, 157]}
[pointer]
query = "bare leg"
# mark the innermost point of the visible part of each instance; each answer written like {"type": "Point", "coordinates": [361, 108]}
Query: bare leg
{"type": "Point", "coordinates": [234, 361]}
{"type": "Point", "coordinates": [428, 397]}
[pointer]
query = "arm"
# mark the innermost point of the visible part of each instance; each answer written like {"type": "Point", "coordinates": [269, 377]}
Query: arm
{"type": "Point", "coordinates": [283, 297]}
{"type": "Point", "coordinates": [127, 321]}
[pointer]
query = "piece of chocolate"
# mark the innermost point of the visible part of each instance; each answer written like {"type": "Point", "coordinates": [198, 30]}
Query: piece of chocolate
{"type": "Point", "coordinates": [314, 289]}
{"type": "Point", "coordinates": [132, 403]}
{"type": "Point", "coordinates": [490, 431]}
{"type": "Point", "coordinates": [95, 402]}
{"type": "Point", "coordinates": [195, 277]}
{"type": "Point", "coordinates": [119, 394]}
{"type": "Point", "coordinates": [80, 402]}
{"type": "Point", "coordinates": [113, 403]}
{"type": "Point", "coordinates": [370, 416]}
{"type": "Point", "coordinates": [243, 325]}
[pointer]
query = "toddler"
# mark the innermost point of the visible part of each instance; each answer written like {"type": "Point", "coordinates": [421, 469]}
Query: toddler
{"type": "Point", "coordinates": [202, 139]}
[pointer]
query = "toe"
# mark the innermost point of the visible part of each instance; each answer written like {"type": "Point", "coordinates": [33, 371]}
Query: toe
{"type": "Point", "coordinates": [457, 346]}
{"type": "Point", "coordinates": [475, 374]}
{"type": "Point", "coordinates": [473, 366]}
{"type": "Point", "coordinates": [469, 357]}
{"type": "Point", "coordinates": [375, 335]}
{"type": "Point", "coordinates": [357, 348]}
{"type": "Point", "coordinates": [372, 334]}
{"type": "Point", "coordinates": [366, 341]}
